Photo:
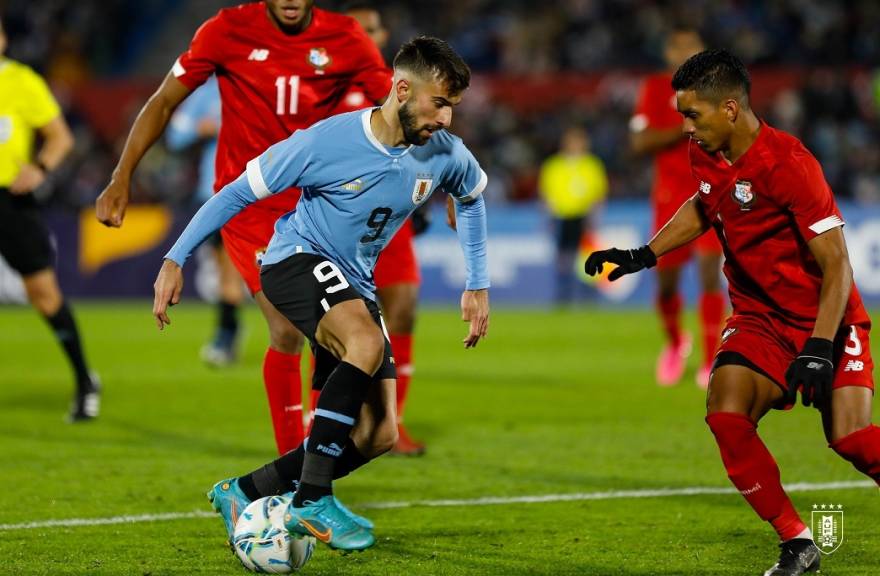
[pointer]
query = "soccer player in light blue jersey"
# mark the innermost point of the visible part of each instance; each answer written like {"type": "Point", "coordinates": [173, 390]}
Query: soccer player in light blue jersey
{"type": "Point", "coordinates": [362, 174]}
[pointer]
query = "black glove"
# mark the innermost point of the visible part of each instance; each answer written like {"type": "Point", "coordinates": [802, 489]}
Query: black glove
{"type": "Point", "coordinates": [421, 219]}
{"type": "Point", "coordinates": [814, 370]}
{"type": "Point", "coordinates": [628, 261]}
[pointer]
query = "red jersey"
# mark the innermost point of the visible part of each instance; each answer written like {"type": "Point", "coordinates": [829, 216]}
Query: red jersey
{"type": "Point", "coordinates": [272, 83]}
{"type": "Point", "coordinates": [656, 109]}
{"type": "Point", "coordinates": [765, 208]}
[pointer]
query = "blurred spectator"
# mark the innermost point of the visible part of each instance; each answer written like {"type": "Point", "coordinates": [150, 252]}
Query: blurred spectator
{"type": "Point", "coordinates": [571, 182]}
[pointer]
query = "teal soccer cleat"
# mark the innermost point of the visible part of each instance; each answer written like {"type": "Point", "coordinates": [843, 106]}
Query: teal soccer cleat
{"type": "Point", "coordinates": [364, 523]}
{"type": "Point", "coordinates": [327, 522]}
{"type": "Point", "coordinates": [229, 501]}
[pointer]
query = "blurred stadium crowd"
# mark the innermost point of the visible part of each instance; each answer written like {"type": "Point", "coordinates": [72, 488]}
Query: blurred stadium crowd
{"type": "Point", "coordinates": [542, 66]}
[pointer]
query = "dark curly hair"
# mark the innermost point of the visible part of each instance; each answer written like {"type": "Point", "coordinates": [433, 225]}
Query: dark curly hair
{"type": "Point", "coordinates": [431, 57]}
{"type": "Point", "coordinates": [715, 74]}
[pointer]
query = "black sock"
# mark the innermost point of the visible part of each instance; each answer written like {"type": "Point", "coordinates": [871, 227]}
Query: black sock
{"type": "Point", "coordinates": [228, 316]}
{"type": "Point", "coordinates": [335, 416]}
{"type": "Point", "coordinates": [64, 326]}
{"type": "Point", "coordinates": [287, 470]}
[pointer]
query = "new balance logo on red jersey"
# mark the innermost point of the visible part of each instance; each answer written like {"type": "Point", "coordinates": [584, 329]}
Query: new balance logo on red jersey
{"type": "Point", "coordinates": [705, 187]}
{"type": "Point", "coordinates": [854, 366]}
{"type": "Point", "coordinates": [259, 54]}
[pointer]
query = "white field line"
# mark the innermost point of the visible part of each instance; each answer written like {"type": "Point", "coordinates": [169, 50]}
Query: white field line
{"type": "Point", "coordinates": [537, 499]}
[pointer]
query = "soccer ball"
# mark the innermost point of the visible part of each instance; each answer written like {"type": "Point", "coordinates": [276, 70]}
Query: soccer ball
{"type": "Point", "coordinates": [262, 543]}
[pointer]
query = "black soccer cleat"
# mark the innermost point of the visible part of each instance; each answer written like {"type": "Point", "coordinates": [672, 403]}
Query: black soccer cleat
{"type": "Point", "coordinates": [798, 556]}
{"type": "Point", "coordinates": [86, 403]}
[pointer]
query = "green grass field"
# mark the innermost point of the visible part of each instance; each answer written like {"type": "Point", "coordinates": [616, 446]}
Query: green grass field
{"type": "Point", "coordinates": [552, 403]}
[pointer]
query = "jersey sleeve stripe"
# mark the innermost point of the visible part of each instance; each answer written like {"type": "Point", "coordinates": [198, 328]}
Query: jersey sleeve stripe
{"type": "Point", "coordinates": [826, 224]}
{"type": "Point", "coordinates": [255, 179]}
{"type": "Point", "coordinates": [478, 189]}
{"type": "Point", "coordinates": [178, 70]}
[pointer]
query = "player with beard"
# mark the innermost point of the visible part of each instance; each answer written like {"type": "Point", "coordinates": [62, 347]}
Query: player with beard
{"type": "Point", "coordinates": [397, 270]}
{"type": "Point", "coordinates": [363, 174]}
{"type": "Point", "coordinates": [798, 322]}
{"type": "Point", "coordinates": [281, 66]}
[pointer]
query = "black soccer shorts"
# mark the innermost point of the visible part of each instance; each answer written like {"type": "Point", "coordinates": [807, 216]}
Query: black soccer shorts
{"type": "Point", "coordinates": [304, 287]}
{"type": "Point", "coordinates": [24, 238]}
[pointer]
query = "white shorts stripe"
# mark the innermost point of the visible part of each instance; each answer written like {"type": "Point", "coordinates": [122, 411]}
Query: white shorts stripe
{"type": "Point", "coordinates": [255, 179]}
{"type": "Point", "coordinates": [826, 224]}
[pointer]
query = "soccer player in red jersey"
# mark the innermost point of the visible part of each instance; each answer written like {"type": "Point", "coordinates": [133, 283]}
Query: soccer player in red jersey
{"type": "Point", "coordinates": [798, 322]}
{"type": "Point", "coordinates": [656, 129]}
{"type": "Point", "coordinates": [281, 65]}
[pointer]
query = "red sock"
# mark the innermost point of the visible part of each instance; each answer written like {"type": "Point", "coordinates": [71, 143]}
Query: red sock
{"type": "Point", "coordinates": [711, 315]}
{"type": "Point", "coordinates": [754, 472]}
{"type": "Point", "coordinates": [401, 346]}
{"type": "Point", "coordinates": [670, 314]}
{"type": "Point", "coordinates": [284, 390]}
{"type": "Point", "coordinates": [862, 449]}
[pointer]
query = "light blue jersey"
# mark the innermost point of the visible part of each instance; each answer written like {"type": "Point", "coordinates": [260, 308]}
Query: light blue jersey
{"type": "Point", "coordinates": [202, 104]}
{"type": "Point", "coordinates": [356, 193]}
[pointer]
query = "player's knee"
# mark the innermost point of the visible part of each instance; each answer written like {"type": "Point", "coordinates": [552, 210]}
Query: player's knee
{"type": "Point", "coordinates": [285, 338]}
{"type": "Point", "coordinates": [365, 348]}
{"type": "Point", "coordinates": [45, 297]}
{"type": "Point", "coordinates": [401, 320]}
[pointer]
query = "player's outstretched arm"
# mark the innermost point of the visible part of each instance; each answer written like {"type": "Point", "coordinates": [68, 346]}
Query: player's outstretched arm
{"type": "Point", "coordinates": [213, 214]}
{"type": "Point", "coordinates": [166, 291]}
{"type": "Point", "coordinates": [148, 126]}
{"type": "Point", "coordinates": [687, 224]}
{"type": "Point", "coordinates": [211, 217]}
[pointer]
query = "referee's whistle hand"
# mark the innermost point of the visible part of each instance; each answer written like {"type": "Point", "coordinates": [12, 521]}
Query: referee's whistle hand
{"type": "Point", "coordinates": [110, 205]}
{"type": "Point", "coordinates": [166, 290]}
{"type": "Point", "coordinates": [475, 309]}
{"type": "Point", "coordinates": [29, 178]}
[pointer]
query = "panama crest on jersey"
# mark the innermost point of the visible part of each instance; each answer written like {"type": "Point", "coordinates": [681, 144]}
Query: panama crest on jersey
{"type": "Point", "coordinates": [422, 188]}
{"type": "Point", "coordinates": [743, 194]}
{"type": "Point", "coordinates": [319, 58]}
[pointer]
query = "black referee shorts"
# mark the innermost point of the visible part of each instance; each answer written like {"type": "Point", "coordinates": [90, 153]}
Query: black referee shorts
{"type": "Point", "coordinates": [303, 288]}
{"type": "Point", "coordinates": [24, 237]}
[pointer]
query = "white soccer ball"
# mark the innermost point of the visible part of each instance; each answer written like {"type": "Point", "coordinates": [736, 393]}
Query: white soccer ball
{"type": "Point", "coordinates": [263, 544]}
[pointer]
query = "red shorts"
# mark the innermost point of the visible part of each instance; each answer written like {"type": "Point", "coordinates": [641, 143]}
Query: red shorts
{"type": "Point", "coordinates": [247, 235]}
{"type": "Point", "coordinates": [771, 346]}
{"type": "Point", "coordinates": [397, 262]}
{"type": "Point", "coordinates": [706, 244]}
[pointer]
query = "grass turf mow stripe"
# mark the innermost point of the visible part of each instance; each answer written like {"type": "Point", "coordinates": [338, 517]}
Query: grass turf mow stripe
{"type": "Point", "coordinates": [489, 501]}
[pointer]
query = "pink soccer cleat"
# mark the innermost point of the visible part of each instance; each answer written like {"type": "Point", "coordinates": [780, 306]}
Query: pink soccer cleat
{"type": "Point", "coordinates": [671, 363]}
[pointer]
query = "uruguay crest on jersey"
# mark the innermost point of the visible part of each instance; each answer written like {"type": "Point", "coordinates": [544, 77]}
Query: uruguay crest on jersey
{"type": "Point", "coordinates": [422, 188]}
